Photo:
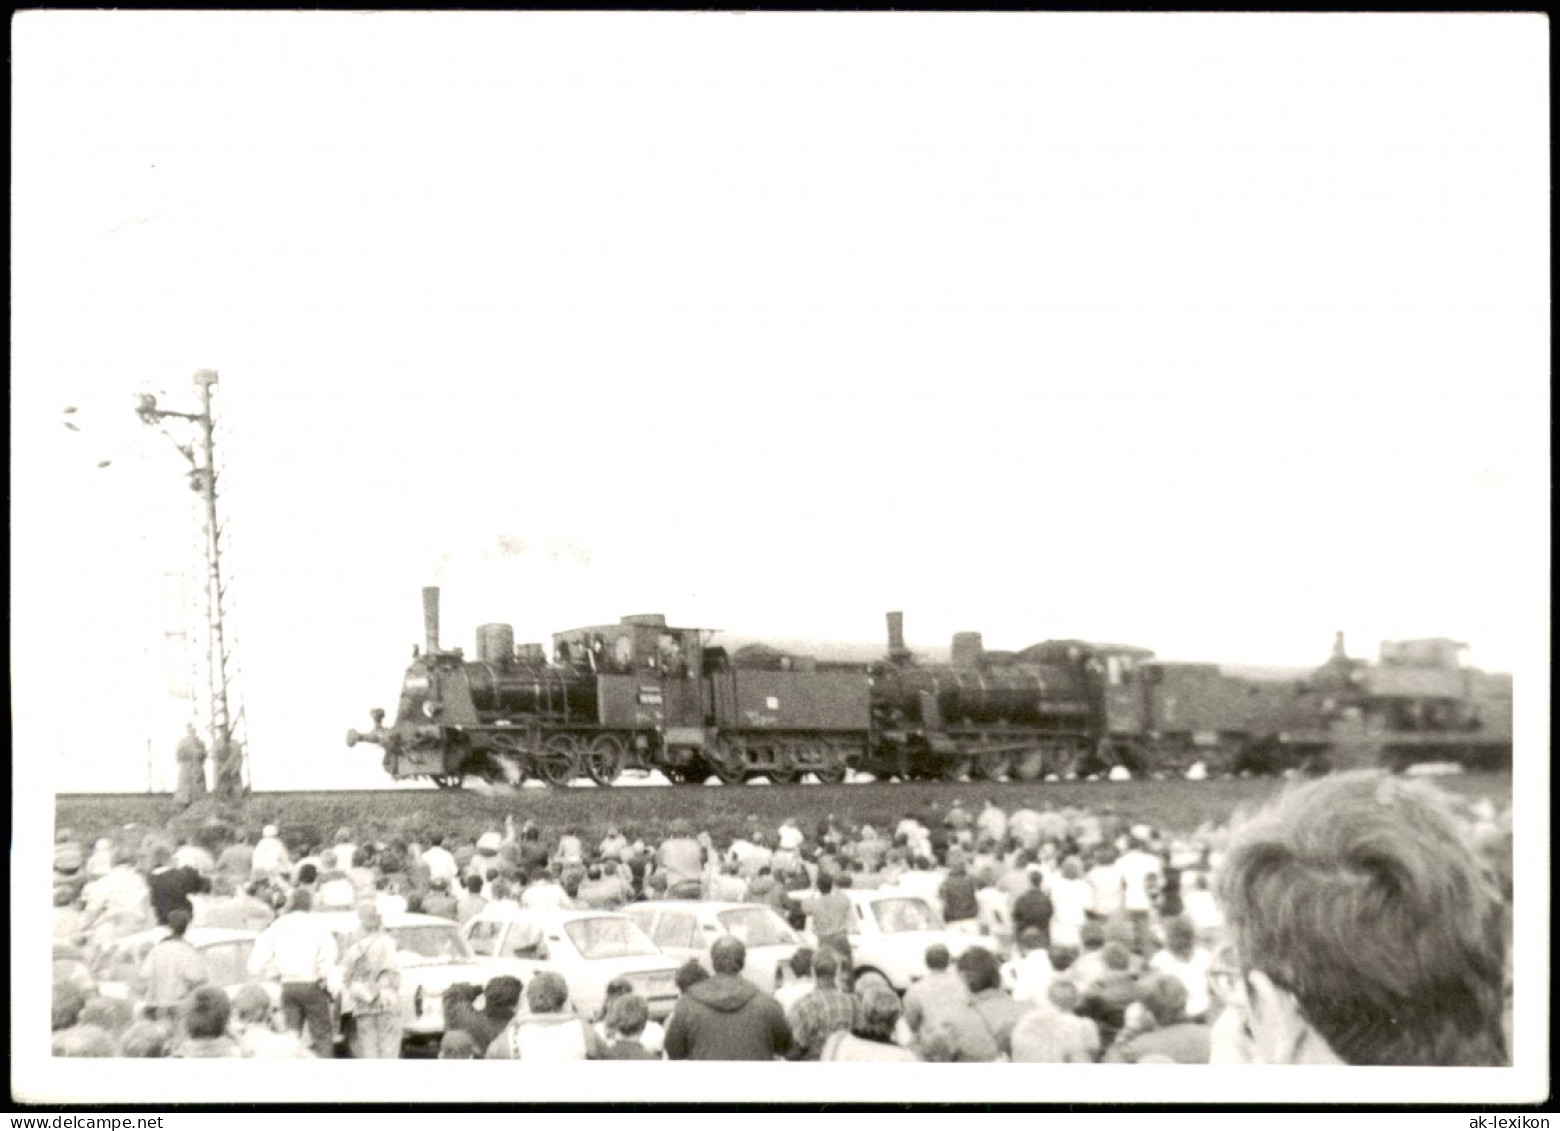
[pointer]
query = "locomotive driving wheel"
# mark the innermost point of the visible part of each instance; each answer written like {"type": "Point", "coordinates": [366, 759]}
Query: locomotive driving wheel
{"type": "Point", "coordinates": [558, 761]}
{"type": "Point", "coordinates": [1029, 765]}
{"type": "Point", "coordinates": [604, 759]}
{"type": "Point", "coordinates": [828, 762]}
{"type": "Point", "coordinates": [956, 767]}
{"type": "Point", "coordinates": [993, 764]}
{"type": "Point", "coordinates": [729, 760]}
{"type": "Point", "coordinates": [784, 771]}
{"type": "Point", "coordinates": [508, 752]}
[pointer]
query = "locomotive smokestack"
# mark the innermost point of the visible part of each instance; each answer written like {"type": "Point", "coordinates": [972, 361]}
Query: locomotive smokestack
{"type": "Point", "coordinates": [431, 619]}
{"type": "Point", "coordinates": [896, 637]}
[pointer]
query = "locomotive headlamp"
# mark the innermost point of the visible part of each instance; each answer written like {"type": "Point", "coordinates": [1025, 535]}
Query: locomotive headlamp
{"type": "Point", "coordinates": [432, 707]}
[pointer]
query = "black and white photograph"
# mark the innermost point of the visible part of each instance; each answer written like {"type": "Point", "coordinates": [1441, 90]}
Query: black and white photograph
{"type": "Point", "coordinates": [1008, 548]}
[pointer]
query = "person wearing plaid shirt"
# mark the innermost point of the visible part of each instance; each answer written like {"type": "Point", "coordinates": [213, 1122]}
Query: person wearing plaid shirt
{"type": "Point", "coordinates": [826, 1010]}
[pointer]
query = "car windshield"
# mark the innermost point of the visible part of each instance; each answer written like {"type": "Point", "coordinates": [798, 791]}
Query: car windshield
{"type": "Point", "coordinates": [606, 936]}
{"type": "Point", "coordinates": [435, 942]}
{"type": "Point", "coordinates": [896, 915]}
{"type": "Point", "coordinates": [757, 926]}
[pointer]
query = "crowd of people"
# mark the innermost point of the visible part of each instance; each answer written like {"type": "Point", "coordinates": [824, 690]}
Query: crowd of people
{"type": "Point", "coordinates": [1358, 919]}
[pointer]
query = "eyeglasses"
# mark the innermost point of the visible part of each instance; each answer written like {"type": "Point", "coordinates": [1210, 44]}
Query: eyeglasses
{"type": "Point", "coordinates": [1225, 977]}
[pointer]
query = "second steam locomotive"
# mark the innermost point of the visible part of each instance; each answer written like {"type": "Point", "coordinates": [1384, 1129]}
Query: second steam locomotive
{"type": "Point", "coordinates": [642, 695]}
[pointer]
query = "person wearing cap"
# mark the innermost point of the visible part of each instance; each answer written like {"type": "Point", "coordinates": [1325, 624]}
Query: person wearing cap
{"type": "Point", "coordinates": [371, 988]}
{"type": "Point", "coordinates": [269, 859]}
{"type": "Point", "coordinates": [299, 951]}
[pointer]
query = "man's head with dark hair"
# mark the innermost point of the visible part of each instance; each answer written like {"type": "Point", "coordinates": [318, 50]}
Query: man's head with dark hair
{"type": "Point", "coordinates": [825, 883]}
{"type": "Point", "coordinates": [1363, 918]}
{"type": "Point", "coordinates": [877, 1013]}
{"type": "Point", "coordinates": [502, 992]}
{"type": "Point", "coordinates": [980, 969]}
{"type": "Point", "coordinates": [547, 993]}
{"type": "Point", "coordinates": [801, 961]}
{"type": "Point", "coordinates": [308, 873]}
{"type": "Point", "coordinates": [207, 1013]}
{"type": "Point", "coordinates": [728, 955]}
{"type": "Point", "coordinates": [690, 974]}
{"type": "Point", "coordinates": [178, 922]}
{"type": "Point", "coordinates": [474, 885]}
{"type": "Point", "coordinates": [937, 958]}
{"type": "Point", "coordinates": [1117, 956]}
{"type": "Point", "coordinates": [1091, 935]}
{"type": "Point", "coordinates": [627, 1015]}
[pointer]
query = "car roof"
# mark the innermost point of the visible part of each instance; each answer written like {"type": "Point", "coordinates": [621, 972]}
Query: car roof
{"type": "Point", "coordinates": [694, 905]}
{"type": "Point", "coordinates": [391, 919]}
{"type": "Point", "coordinates": [195, 936]}
{"type": "Point", "coordinates": [509, 914]}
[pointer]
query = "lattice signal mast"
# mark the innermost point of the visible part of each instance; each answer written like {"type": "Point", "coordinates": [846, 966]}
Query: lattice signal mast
{"type": "Point", "coordinates": [230, 760]}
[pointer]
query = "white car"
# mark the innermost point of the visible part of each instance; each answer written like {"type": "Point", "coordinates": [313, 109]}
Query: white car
{"type": "Point", "coordinates": [685, 928]}
{"type": "Point", "coordinates": [223, 950]}
{"type": "Point", "coordinates": [588, 948]}
{"type": "Point", "coordinates": [889, 933]}
{"type": "Point", "coordinates": [432, 955]}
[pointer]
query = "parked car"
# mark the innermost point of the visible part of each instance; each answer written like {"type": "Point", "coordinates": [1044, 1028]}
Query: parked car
{"type": "Point", "coordinates": [588, 948]}
{"type": "Point", "coordinates": [685, 928]}
{"type": "Point", "coordinates": [432, 955]}
{"type": "Point", "coordinates": [889, 934]}
{"type": "Point", "coordinates": [224, 951]}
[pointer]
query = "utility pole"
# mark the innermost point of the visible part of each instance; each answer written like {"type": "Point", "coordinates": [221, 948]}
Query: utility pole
{"type": "Point", "coordinates": [230, 760]}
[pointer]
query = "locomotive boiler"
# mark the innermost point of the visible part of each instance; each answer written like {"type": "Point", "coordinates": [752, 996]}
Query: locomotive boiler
{"type": "Point", "coordinates": [990, 714]}
{"type": "Point", "coordinates": [639, 695]}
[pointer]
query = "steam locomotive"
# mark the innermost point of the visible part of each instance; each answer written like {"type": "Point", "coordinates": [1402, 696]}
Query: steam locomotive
{"type": "Point", "coordinates": [642, 695]}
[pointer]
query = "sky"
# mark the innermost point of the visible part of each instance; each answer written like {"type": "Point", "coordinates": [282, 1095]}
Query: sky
{"type": "Point", "coordinates": [1215, 335]}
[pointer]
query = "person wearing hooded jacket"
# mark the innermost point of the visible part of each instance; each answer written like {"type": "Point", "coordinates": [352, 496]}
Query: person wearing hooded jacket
{"type": "Point", "coordinates": [726, 1017]}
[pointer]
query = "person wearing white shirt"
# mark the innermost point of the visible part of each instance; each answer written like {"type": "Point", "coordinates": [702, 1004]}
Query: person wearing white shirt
{"type": "Point", "coordinates": [299, 951]}
{"type": "Point", "coordinates": [441, 864]}
{"type": "Point", "coordinates": [1028, 977]}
